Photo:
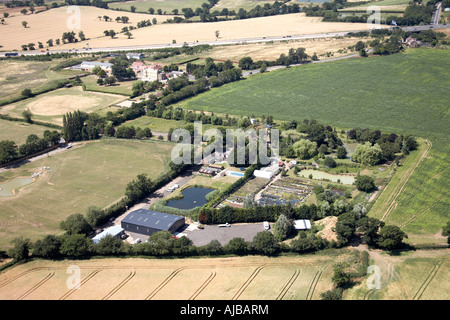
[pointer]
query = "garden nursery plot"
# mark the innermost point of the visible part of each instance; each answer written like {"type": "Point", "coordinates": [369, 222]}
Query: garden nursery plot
{"type": "Point", "coordinates": [287, 190]}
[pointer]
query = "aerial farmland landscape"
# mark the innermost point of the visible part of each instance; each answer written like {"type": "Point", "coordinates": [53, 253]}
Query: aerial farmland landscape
{"type": "Point", "coordinates": [212, 151]}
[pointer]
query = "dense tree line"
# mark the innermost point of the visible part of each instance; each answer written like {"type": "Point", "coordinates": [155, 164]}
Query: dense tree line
{"type": "Point", "coordinates": [95, 3]}
{"type": "Point", "coordinates": [376, 147]}
{"type": "Point", "coordinates": [9, 151]}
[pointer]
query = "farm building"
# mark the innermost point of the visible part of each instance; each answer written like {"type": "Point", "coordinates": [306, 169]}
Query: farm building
{"type": "Point", "coordinates": [115, 231]}
{"type": "Point", "coordinates": [135, 55]}
{"type": "Point", "coordinates": [147, 222]}
{"type": "Point", "coordinates": [302, 224]}
{"type": "Point", "coordinates": [267, 172]}
{"type": "Point", "coordinates": [89, 65]}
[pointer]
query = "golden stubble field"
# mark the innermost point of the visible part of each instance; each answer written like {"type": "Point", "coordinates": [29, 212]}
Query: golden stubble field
{"type": "Point", "coordinates": [52, 23]}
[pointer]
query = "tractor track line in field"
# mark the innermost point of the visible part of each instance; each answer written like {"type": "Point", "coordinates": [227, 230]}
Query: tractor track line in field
{"type": "Point", "coordinates": [203, 286]}
{"type": "Point", "coordinates": [393, 204]}
{"type": "Point", "coordinates": [37, 285]}
{"type": "Point", "coordinates": [23, 274]}
{"type": "Point", "coordinates": [90, 276]}
{"type": "Point", "coordinates": [428, 280]}
{"type": "Point", "coordinates": [247, 282]}
{"type": "Point", "coordinates": [414, 217]}
{"type": "Point", "coordinates": [313, 285]}
{"type": "Point", "coordinates": [164, 282]}
{"type": "Point", "coordinates": [288, 285]}
{"type": "Point", "coordinates": [120, 285]}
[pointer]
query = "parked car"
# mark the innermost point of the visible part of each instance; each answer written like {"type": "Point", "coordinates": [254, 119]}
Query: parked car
{"type": "Point", "coordinates": [225, 225]}
{"type": "Point", "coordinates": [266, 225]}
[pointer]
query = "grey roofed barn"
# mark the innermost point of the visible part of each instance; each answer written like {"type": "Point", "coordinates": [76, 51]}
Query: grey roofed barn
{"type": "Point", "coordinates": [147, 222]}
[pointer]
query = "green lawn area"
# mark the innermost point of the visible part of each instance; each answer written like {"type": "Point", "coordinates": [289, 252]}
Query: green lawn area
{"type": "Point", "coordinates": [90, 174]}
{"type": "Point", "coordinates": [18, 131]}
{"type": "Point", "coordinates": [155, 124]}
{"type": "Point", "coordinates": [405, 93]}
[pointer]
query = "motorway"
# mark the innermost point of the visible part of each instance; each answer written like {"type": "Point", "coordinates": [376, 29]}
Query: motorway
{"type": "Point", "coordinates": [232, 41]}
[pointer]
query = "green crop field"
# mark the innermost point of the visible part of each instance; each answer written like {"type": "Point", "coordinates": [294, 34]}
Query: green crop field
{"type": "Point", "coordinates": [405, 93]}
{"type": "Point", "coordinates": [90, 174]}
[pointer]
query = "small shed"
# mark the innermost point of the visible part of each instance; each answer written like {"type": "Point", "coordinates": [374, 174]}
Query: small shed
{"type": "Point", "coordinates": [114, 231]}
{"type": "Point", "coordinates": [302, 224]}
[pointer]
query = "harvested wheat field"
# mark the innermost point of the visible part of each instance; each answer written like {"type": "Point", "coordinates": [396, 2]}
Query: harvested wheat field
{"type": "Point", "coordinates": [252, 277]}
{"type": "Point", "coordinates": [272, 50]}
{"type": "Point", "coordinates": [290, 24]}
{"type": "Point", "coordinates": [53, 23]}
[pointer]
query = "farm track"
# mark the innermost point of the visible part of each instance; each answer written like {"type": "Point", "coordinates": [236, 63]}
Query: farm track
{"type": "Point", "coordinates": [288, 285]}
{"type": "Point", "coordinates": [393, 204]}
{"type": "Point", "coordinates": [203, 286]}
{"type": "Point", "coordinates": [428, 280]}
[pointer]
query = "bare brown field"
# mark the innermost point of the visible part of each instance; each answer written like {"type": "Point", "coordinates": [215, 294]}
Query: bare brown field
{"type": "Point", "coordinates": [253, 277]}
{"type": "Point", "coordinates": [52, 23]}
{"type": "Point", "coordinates": [290, 24]}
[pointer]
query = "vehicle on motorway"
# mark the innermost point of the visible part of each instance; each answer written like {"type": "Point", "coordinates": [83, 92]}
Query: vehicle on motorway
{"type": "Point", "coordinates": [11, 54]}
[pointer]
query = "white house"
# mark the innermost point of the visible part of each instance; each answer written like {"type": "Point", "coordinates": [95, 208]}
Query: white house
{"type": "Point", "coordinates": [151, 73]}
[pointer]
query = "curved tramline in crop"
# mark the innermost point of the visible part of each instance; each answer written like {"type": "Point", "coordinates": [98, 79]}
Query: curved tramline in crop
{"type": "Point", "coordinates": [313, 284]}
{"type": "Point", "coordinates": [247, 282]}
{"type": "Point", "coordinates": [120, 285]}
{"type": "Point", "coordinates": [89, 277]}
{"type": "Point", "coordinates": [428, 280]}
{"type": "Point", "coordinates": [203, 286]}
{"type": "Point", "coordinates": [37, 285]}
{"type": "Point", "coordinates": [288, 285]}
{"type": "Point", "coordinates": [409, 173]}
{"type": "Point", "coordinates": [165, 282]}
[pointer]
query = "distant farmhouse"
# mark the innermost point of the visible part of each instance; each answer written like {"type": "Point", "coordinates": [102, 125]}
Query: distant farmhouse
{"type": "Point", "coordinates": [147, 222]}
{"type": "Point", "coordinates": [89, 65]}
{"type": "Point", "coordinates": [134, 55]}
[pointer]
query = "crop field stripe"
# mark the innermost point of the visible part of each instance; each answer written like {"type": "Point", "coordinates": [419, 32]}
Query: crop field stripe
{"type": "Point", "coordinates": [288, 285]}
{"type": "Point", "coordinates": [247, 282]}
{"type": "Point", "coordinates": [90, 276]}
{"type": "Point", "coordinates": [120, 285]}
{"type": "Point", "coordinates": [203, 286]}
{"type": "Point", "coordinates": [428, 280]}
{"type": "Point", "coordinates": [408, 175]}
{"type": "Point", "coordinates": [40, 283]}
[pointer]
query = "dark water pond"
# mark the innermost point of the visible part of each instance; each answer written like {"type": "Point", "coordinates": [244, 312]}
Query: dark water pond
{"type": "Point", "coordinates": [192, 197]}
